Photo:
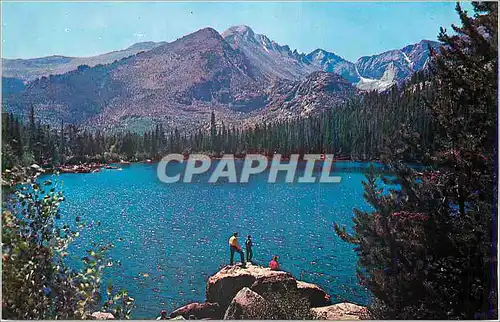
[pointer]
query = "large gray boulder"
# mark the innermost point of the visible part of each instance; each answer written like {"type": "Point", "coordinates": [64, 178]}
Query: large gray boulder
{"type": "Point", "coordinates": [248, 305]}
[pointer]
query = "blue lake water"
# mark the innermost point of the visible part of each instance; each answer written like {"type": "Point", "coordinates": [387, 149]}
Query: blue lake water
{"type": "Point", "coordinates": [171, 237]}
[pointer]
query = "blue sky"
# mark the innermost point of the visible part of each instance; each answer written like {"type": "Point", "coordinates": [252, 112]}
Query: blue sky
{"type": "Point", "coordinates": [350, 30]}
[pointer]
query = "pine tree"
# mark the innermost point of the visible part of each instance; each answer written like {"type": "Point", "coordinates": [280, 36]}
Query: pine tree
{"type": "Point", "coordinates": [426, 248]}
{"type": "Point", "coordinates": [213, 132]}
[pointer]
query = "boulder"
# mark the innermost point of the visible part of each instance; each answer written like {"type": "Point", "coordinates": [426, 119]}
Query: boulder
{"type": "Point", "coordinates": [314, 294]}
{"type": "Point", "coordinates": [223, 286]}
{"type": "Point", "coordinates": [256, 292]}
{"type": "Point", "coordinates": [248, 305]}
{"type": "Point", "coordinates": [340, 311]}
{"type": "Point", "coordinates": [204, 310]}
{"type": "Point", "coordinates": [102, 316]}
{"type": "Point", "coordinates": [274, 284]}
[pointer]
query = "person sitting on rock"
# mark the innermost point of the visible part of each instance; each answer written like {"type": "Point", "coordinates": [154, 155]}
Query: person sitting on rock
{"type": "Point", "coordinates": [248, 246]}
{"type": "Point", "coordinates": [273, 264]}
{"type": "Point", "coordinates": [163, 315]}
{"type": "Point", "coordinates": [235, 247]}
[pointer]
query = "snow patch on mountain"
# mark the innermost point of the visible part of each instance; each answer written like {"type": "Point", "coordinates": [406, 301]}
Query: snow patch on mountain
{"type": "Point", "coordinates": [408, 60]}
{"type": "Point", "coordinates": [387, 80]}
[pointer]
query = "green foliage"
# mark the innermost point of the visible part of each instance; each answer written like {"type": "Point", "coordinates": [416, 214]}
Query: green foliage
{"type": "Point", "coordinates": [37, 282]}
{"type": "Point", "coordinates": [396, 263]}
{"type": "Point", "coordinates": [427, 249]}
{"type": "Point", "coordinates": [119, 304]}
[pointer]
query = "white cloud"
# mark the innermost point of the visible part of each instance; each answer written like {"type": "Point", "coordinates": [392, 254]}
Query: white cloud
{"type": "Point", "coordinates": [138, 34]}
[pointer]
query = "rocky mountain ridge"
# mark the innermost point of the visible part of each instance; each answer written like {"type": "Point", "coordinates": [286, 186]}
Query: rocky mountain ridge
{"type": "Point", "coordinates": [242, 76]}
{"type": "Point", "coordinates": [270, 58]}
{"type": "Point", "coordinates": [376, 72]}
{"type": "Point", "coordinates": [33, 68]}
{"type": "Point", "coordinates": [177, 84]}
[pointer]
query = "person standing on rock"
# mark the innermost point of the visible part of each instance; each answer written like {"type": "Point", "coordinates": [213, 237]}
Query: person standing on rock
{"type": "Point", "coordinates": [248, 246]}
{"type": "Point", "coordinates": [235, 247]}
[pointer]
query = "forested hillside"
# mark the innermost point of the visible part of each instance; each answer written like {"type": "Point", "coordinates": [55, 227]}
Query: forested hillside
{"type": "Point", "coordinates": [356, 129]}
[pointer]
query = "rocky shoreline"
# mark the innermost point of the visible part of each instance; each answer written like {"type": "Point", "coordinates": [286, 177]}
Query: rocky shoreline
{"type": "Point", "coordinates": [22, 175]}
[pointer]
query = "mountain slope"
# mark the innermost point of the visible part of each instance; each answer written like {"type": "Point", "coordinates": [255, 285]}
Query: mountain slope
{"type": "Point", "coordinates": [30, 69]}
{"type": "Point", "coordinates": [329, 62]}
{"type": "Point", "coordinates": [318, 92]}
{"type": "Point", "coordinates": [241, 75]}
{"type": "Point", "coordinates": [280, 62]}
{"type": "Point", "coordinates": [392, 67]}
{"type": "Point", "coordinates": [182, 81]}
{"type": "Point", "coordinates": [267, 57]}
{"type": "Point", "coordinates": [377, 72]}
{"type": "Point", "coordinates": [176, 83]}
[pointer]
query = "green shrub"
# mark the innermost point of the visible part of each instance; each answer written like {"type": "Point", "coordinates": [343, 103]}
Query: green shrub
{"type": "Point", "coordinates": [37, 282]}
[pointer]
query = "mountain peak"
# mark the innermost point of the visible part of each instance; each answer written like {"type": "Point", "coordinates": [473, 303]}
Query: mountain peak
{"type": "Point", "coordinates": [317, 50]}
{"type": "Point", "coordinates": [201, 36]}
{"type": "Point", "coordinates": [324, 54]}
{"type": "Point", "coordinates": [208, 32]}
{"type": "Point", "coordinates": [427, 41]}
{"type": "Point", "coordinates": [242, 30]}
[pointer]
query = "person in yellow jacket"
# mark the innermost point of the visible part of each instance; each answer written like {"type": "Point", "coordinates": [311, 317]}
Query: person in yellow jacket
{"type": "Point", "coordinates": [234, 247]}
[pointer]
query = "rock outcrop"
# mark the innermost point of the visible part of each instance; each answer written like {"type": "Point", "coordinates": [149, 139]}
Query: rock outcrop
{"type": "Point", "coordinates": [225, 284]}
{"type": "Point", "coordinates": [340, 311]}
{"type": "Point", "coordinates": [248, 305]}
{"type": "Point", "coordinates": [316, 295]}
{"type": "Point", "coordinates": [274, 284]}
{"type": "Point", "coordinates": [205, 310]}
{"type": "Point", "coordinates": [256, 292]}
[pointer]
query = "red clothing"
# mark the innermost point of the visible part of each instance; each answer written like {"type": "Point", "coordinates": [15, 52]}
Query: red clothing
{"type": "Point", "coordinates": [274, 265]}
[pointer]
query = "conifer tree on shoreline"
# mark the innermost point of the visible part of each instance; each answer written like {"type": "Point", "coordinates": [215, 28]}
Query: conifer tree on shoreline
{"type": "Point", "coordinates": [428, 248]}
